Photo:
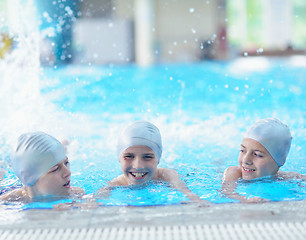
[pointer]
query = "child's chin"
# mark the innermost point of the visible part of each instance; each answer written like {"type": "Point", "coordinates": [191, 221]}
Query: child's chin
{"type": "Point", "coordinates": [133, 182]}
{"type": "Point", "coordinates": [248, 177]}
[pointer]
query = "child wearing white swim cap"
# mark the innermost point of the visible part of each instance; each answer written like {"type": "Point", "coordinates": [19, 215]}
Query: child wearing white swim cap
{"type": "Point", "coordinates": [263, 151]}
{"type": "Point", "coordinates": [139, 152]}
{"type": "Point", "coordinates": [41, 164]}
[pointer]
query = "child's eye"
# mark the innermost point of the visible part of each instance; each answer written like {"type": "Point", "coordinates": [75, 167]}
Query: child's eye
{"type": "Point", "coordinates": [54, 169]}
{"type": "Point", "coordinates": [127, 157]}
{"type": "Point", "coordinates": [258, 155]}
{"type": "Point", "coordinates": [67, 163]}
{"type": "Point", "coordinates": [148, 157]}
{"type": "Point", "coordinates": [242, 150]}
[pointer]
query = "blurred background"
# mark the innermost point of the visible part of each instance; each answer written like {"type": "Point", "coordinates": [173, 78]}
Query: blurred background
{"type": "Point", "coordinates": [147, 32]}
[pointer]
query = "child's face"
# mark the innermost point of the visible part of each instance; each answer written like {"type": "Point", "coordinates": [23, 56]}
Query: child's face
{"type": "Point", "coordinates": [138, 164]}
{"type": "Point", "coordinates": [54, 182]}
{"type": "Point", "coordinates": [255, 161]}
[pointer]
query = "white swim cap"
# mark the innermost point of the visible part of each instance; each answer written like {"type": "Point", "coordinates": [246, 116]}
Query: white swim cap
{"type": "Point", "coordinates": [140, 133]}
{"type": "Point", "coordinates": [274, 136]}
{"type": "Point", "coordinates": [35, 154]}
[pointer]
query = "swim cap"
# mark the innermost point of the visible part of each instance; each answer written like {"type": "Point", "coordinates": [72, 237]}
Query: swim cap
{"type": "Point", "coordinates": [35, 154]}
{"type": "Point", "coordinates": [140, 133]}
{"type": "Point", "coordinates": [274, 136]}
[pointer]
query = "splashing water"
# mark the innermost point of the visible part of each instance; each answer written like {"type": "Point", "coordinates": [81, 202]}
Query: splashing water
{"type": "Point", "coordinates": [202, 109]}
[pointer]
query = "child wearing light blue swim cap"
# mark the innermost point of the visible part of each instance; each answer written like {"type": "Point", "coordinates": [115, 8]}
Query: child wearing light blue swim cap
{"type": "Point", "coordinates": [263, 151]}
{"type": "Point", "coordinates": [139, 151]}
{"type": "Point", "coordinates": [41, 164]}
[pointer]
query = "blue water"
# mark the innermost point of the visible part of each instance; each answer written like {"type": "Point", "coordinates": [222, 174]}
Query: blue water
{"type": "Point", "coordinates": [202, 110]}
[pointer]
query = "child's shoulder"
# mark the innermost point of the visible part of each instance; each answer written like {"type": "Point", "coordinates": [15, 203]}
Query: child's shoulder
{"type": "Point", "coordinates": [14, 195]}
{"type": "Point", "coordinates": [118, 181]}
{"type": "Point", "coordinates": [166, 174]}
{"type": "Point", "coordinates": [232, 174]}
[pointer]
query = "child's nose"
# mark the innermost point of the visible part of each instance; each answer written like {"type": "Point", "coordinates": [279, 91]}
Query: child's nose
{"type": "Point", "coordinates": [66, 171]}
{"type": "Point", "coordinates": [138, 163]}
{"type": "Point", "coordinates": [248, 159]}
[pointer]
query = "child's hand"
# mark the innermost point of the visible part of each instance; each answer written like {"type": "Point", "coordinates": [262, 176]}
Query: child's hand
{"type": "Point", "coordinates": [103, 192]}
{"type": "Point", "coordinates": [85, 205]}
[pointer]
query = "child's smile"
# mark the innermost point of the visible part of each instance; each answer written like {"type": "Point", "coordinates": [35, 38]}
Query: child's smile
{"type": "Point", "coordinates": [248, 169]}
{"type": "Point", "coordinates": [138, 175]}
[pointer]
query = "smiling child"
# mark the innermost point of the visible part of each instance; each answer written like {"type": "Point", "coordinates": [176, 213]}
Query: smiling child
{"type": "Point", "coordinates": [139, 151]}
{"type": "Point", "coordinates": [263, 151]}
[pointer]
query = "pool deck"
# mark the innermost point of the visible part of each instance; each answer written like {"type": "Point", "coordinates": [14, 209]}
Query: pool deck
{"type": "Point", "coordinates": [186, 214]}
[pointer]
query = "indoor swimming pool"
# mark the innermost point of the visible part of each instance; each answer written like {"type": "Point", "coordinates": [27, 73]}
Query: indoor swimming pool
{"type": "Point", "coordinates": [202, 111]}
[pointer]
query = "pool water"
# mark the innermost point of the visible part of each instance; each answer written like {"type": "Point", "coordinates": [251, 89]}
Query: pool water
{"type": "Point", "coordinates": [201, 109]}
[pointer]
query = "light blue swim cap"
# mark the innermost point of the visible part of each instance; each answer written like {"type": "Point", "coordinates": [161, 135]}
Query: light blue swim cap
{"type": "Point", "coordinates": [140, 133]}
{"type": "Point", "coordinates": [274, 136]}
{"type": "Point", "coordinates": [35, 154]}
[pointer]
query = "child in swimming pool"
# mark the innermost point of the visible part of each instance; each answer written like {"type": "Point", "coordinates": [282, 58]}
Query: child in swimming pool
{"type": "Point", "coordinates": [139, 151]}
{"type": "Point", "coordinates": [264, 150]}
{"type": "Point", "coordinates": [41, 164]}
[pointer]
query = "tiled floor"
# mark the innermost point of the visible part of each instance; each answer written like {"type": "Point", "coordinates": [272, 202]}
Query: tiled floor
{"type": "Point", "coordinates": [218, 221]}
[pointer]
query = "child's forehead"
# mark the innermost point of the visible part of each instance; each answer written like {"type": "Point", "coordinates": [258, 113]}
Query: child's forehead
{"type": "Point", "coordinates": [61, 162]}
{"type": "Point", "coordinates": [139, 149]}
{"type": "Point", "coordinates": [252, 144]}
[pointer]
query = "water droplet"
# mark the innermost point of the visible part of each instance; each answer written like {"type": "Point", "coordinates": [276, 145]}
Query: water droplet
{"type": "Point", "coordinates": [193, 30]}
{"type": "Point", "coordinates": [191, 10]}
{"type": "Point", "coordinates": [245, 54]}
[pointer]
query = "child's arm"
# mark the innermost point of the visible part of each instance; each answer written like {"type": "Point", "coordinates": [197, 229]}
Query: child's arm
{"type": "Point", "coordinates": [105, 191]}
{"type": "Point", "coordinates": [229, 186]}
{"type": "Point", "coordinates": [173, 178]}
{"type": "Point", "coordinates": [291, 175]}
{"type": "Point", "coordinates": [77, 191]}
